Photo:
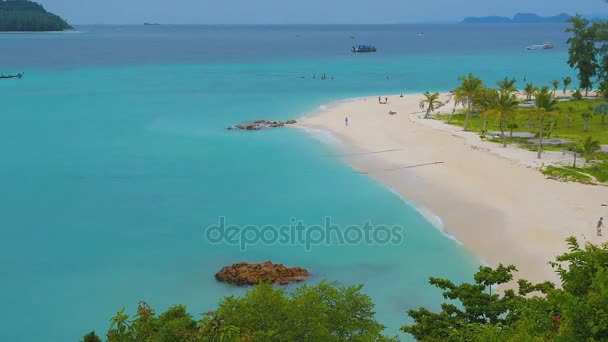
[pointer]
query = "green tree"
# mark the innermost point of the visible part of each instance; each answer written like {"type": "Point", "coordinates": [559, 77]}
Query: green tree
{"type": "Point", "coordinates": [511, 126]}
{"type": "Point", "coordinates": [529, 90]}
{"type": "Point", "coordinates": [574, 311]}
{"type": "Point", "coordinates": [431, 102]}
{"type": "Point", "coordinates": [555, 84]}
{"type": "Point", "coordinates": [589, 148]}
{"type": "Point", "coordinates": [503, 105]}
{"type": "Point", "coordinates": [507, 85]}
{"type": "Point", "coordinates": [602, 110]}
{"type": "Point", "coordinates": [586, 117]}
{"type": "Point", "coordinates": [323, 312]}
{"type": "Point", "coordinates": [582, 50]}
{"type": "Point", "coordinates": [469, 87]}
{"type": "Point", "coordinates": [544, 103]}
{"type": "Point", "coordinates": [567, 80]}
{"type": "Point", "coordinates": [91, 337]}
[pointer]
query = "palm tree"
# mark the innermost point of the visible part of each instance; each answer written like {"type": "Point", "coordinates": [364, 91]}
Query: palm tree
{"type": "Point", "coordinates": [590, 148]}
{"type": "Point", "coordinates": [529, 90]}
{"type": "Point", "coordinates": [544, 103]}
{"type": "Point", "coordinates": [430, 101]}
{"type": "Point", "coordinates": [586, 116]}
{"type": "Point", "coordinates": [511, 126]}
{"type": "Point", "coordinates": [602, 109]}
{"type": "Point", "coordinates": [567, 80]}
{"type": "Point", "coordinates": [469, 87]}
{"type": "Point", "coordinates": [555, 84]}
{"type": "Point", "coordinates": [503, 104]}
{"type": "Point", "coordinates": [569, 115]}
{"type": "Point", "coordinates": [507, 85]}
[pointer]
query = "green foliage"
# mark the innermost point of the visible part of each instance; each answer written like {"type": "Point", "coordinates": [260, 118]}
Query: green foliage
{"type": "Point", "coordinates": [590, 148]}
{"type": "Point", "coordinates": [576, 311]}
{"type": "Point", "coordinates": [24, 15]}
{"type": "Point", "coordinates": [324, 312]}
{"type": "Point", "coordinates": [469, 87]}
{"type": "Point", "coordinates": [582, 50]}
{"type": "Point", "coordinates": [567, 174]}
{"type": "Point", "coordinates": [430, 101]}
{"type": "Point", "coordinates": [529, 90]}
{"type": "Point", "coordinates": [567, 80]}
{"type": "Point", "coordinates": [90, 337]}
{"type": "Point", "coordinates": [503, 105]}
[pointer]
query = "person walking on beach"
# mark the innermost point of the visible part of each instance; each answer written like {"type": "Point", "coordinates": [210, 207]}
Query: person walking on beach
{"type": "Point", "coordinates": [379, 101]}
{"type": "Point", "coordinates": [600, 225]}
{"type": "Point", "coordinates": [346, 120]}
{"type": "Point", "coordinates": [386, 100]}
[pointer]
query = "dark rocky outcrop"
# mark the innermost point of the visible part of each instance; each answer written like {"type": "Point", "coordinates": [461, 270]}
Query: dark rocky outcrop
{"type": "Point", "coordinates": [250, 274]}
{"type": "Point", "coordinates": [261, 124]}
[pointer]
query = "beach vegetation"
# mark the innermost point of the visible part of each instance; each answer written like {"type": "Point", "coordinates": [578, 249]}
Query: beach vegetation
{"type": "Point", "coordinates": [469, 87]}
{"type": "Point", "coordinates": [573, 311]}
{"type": "Point", "coordinates": [529, 90]}
{"type": "Point", "coordinates": [430, 102]}
{"type": "Point", "coordinates": [589, 148]}
{"type": "Point", "coordinates": [545, 104]}
{"type": "Point", "coordinates": [503, 104]}
{"type": "Point", "coordinates": [566, 80]}
{"type": "Point", "coordinates": [601, 110]}
{"type": "Point", "coordinates": [582, 51]}
{"type": "Point", "coordinates": [322, 312]}
{"type": "Point", "coordinates": [555, 84]}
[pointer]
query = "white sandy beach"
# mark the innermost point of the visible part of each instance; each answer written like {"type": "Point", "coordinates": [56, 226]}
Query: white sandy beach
{"type": "Point", "coordinates": [493, 199]}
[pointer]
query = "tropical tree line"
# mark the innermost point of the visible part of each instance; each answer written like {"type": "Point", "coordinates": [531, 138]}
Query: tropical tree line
{"type": "Point", "coordinates": [573, 311]}
{"type": "Point", "coordinates": [501, 104]}
{"type": "Point", "coordinates": [23, 15]}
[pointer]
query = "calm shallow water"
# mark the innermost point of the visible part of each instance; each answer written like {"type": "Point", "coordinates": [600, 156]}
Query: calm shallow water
{"type": "Point", "coordinates": [115, 157]}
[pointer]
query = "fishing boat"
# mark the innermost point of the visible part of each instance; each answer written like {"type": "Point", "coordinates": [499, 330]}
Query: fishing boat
{"type": "Point", "coordinates": [547, 46]}
{"type": "Point", "coordinates": [19, 75]}
{"type": "Point", "coordinates": [364, 48]}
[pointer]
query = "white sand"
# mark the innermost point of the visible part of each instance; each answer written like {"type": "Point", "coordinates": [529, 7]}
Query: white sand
{"type": "Point", "coordinates": [491, 198]}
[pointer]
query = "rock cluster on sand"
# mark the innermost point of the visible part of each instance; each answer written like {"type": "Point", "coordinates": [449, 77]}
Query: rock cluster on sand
{"type": "Point", "coordinates": [250, 274]}
{"type": "Point", "coordinates": [260, 124]}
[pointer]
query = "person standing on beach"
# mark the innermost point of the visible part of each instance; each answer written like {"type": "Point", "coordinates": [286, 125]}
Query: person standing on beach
{"type": "Point", "coordinates": [379, 101]}
{"type": "Point", "coordinates": [600, 225]}
{"type": "Point", "coordinates": [346, 120]}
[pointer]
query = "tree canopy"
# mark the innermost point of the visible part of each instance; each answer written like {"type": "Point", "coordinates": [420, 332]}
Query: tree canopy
{"type": "Point", "coordinates": [24, 15]}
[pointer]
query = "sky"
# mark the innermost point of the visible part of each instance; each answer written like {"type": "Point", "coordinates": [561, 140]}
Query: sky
{"type": "Point", "coordinates": [304, 11]}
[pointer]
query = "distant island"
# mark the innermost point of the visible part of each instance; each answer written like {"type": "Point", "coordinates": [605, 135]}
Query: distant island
{"type": "Point", "coordinates": [29, 16]}
{"type": "Point", "coordinates": [519, 18]}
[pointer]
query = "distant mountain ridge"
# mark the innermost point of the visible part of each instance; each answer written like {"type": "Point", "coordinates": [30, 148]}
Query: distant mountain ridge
{"type": "Point", "coordinates": [517, 19]}
{"type": "Point", "coordinates": [28, 16]}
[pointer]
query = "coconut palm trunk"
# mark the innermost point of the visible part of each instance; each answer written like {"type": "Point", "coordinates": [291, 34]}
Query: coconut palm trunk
{"type": "Point", "coordinates": [466, 120]}
{"type": "Point", "coordinates": [540, 137]}
{"type": "Point", "coordinates": [502, 131]}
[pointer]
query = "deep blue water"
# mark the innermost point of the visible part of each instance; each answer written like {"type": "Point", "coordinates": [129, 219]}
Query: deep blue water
{"type": "Point", "coordinates": [115, 158]}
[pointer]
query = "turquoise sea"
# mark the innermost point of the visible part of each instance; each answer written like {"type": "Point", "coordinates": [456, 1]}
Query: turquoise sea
{"type": "Point", "coordinates": [115, 158]}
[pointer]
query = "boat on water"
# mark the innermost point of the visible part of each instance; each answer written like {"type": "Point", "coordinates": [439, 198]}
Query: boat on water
{"type": "Point", "coordinates": [19, 75]}
{"type": "Point", "coordinates": [151, 24]}
{"type": "Point", "coordinates": [547, 46]}
{"type": "Point", "coordinates": [364, 48]}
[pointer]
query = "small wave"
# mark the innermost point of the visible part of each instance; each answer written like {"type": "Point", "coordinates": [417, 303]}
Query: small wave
{"type": "Point", "coordinates": [324, 136]}
{"type": "Point", "coordinates": [430, 216]}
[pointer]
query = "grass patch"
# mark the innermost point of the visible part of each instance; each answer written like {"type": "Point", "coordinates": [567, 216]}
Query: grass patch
{"type": "Point", "coordinates": [569, 124]}
{"type": "Point", "coordinates": [566, 174]}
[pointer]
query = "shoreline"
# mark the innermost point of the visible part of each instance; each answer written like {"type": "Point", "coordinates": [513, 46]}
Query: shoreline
{"type": "Point", "coordinates": [490, 199]}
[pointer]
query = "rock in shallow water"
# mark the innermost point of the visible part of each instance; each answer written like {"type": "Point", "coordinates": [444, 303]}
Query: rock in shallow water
{"type": "Point", "coordinates": [250, 274]}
